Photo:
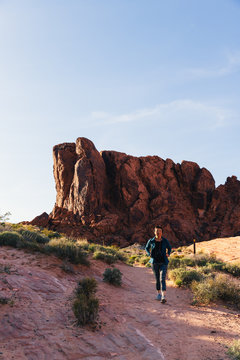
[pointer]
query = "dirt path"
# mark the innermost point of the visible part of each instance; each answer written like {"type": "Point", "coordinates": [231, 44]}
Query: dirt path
{"type": "Point", "coordinates": [40, 324]}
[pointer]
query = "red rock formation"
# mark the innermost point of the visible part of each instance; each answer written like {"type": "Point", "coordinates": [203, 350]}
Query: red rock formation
{"type": "Point", "coordinates": [119, 198]}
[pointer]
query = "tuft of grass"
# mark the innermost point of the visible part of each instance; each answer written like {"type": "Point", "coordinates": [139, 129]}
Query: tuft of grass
{"type": "Point", "coordinates": [234, 350]}
{"type": "Point", "coordinates": [113, 276]}
{"type": "Point", "coordinates": [86, 305]}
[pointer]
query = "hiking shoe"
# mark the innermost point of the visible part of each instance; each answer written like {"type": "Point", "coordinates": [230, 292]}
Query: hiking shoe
{"type": "Point", "coordinates": [163, 300]}
{"type": "Point", "coordinates": [158, 297]}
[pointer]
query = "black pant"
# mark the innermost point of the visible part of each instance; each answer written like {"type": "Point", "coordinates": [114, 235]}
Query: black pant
{"type": "Point", "coordinates": [160, 271]}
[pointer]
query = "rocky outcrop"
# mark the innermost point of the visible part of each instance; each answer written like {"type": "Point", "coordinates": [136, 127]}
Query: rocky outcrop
{"type": "Point", "coordinates": [118, 198]}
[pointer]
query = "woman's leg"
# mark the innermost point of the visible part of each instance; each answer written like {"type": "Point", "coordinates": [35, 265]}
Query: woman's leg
{"type": "Point", "coordinates": [163, 272]}
{"type": "Point", "coordinates": [156, 271]}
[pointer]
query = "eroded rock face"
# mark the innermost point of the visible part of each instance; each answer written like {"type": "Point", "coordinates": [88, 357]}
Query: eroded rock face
{"type": "Point", "coordinates": [119, 198]}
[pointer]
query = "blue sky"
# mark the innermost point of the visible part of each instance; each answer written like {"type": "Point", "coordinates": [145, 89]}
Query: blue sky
{"type": "Point", "coordinates": [145, 77]}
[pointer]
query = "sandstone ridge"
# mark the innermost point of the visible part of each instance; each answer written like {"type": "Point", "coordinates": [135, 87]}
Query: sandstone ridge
{"type": "Point", "coordinates": [118, 198]}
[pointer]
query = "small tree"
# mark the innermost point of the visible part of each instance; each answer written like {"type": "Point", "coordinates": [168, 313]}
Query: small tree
{"type": "Point", "coordinates": [5, 217]}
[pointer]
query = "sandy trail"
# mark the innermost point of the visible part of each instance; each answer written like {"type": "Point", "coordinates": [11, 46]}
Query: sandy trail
{"type": "Point", "coordinates": [40, 324]}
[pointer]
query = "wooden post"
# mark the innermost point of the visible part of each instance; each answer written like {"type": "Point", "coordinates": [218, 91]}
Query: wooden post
{"type": "Point", "coordinates": [194, 246]}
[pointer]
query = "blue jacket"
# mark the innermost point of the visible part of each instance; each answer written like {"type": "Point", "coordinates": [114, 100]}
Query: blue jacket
{"type": "Point", "coordinates": [165, 246]}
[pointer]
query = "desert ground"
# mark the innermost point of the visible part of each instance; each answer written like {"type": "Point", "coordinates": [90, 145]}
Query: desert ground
{"type": "Point", "coordinates": [40, 324]}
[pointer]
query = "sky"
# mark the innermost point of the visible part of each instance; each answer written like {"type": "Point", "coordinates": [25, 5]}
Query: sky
{"type": "Point", "coordinates": [143, 77]}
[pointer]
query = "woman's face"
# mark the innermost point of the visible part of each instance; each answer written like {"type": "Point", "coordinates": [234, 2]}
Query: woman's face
{"type": "Point", "coordinates": [158, 233]}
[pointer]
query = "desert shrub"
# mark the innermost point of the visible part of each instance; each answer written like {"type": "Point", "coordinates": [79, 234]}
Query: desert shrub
{"type": "Point", "coordinates": [87, 286]}
{"type": "Point", "coordinates": [182, 276]}
{"type": "Point", "coordinates": [188, 261]}
{"type": "Point", "coordinates": [50, 234]}
{"type": "Point", "coordinates": [143, 260]}
{"type": "Point", "coordinates": [83, 243]}
{"type": "Point", "coordinates": [232, 269]}
{"type": "Point", "coordinates": [206, 269]}
{"type": "Point", "coordinates": [131, 260]}
{"type": "Point", "coordinates": [234, 350]}
{"type": "Point", "coordinates": [32, 246]}
{"type": "Point", "coordinates": [200, 260]}
{"type": "Point", "coordinates": [33, 236]}
{"type": "Point", "coordinates": [67, 249]}
{"type": "Point", "coordinates": [86, 305]}
{"type": "Point", "coordinates": [113, 276]}
{"type": "Point", "coordinates": [11, 238]}
{"type": "Point", "coordinates": [218, 288]}
{"type": "Point", "coordinates": [108, 258]}
{"type": "Point", "coordinates": [109, 250]}
{"type": "Point", "coordinates": [174, 262]}
{"type": "Point", "coordinates": [216, 266]}
{"type": "Point", "coordinates": [204, 259]}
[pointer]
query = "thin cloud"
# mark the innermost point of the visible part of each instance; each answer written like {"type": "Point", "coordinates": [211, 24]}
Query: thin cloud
{"type": "Point", "coordinates": [232, 66]}
{"type": "Point", "coordinates": [184, 111]}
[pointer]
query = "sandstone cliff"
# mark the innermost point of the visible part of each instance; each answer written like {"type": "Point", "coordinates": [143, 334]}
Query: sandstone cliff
{"type": "Point", "coordinates": [118, 198]}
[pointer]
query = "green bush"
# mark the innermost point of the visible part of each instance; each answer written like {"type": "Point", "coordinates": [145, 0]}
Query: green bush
{"type": "Point", "coordinates": [67, 249]}
{"type": "Point", "coordinates": [200, 260]}
{"type": "Point", "coordinates": [232, 269]}
{"type": "Point", "coordinates": [187, 261]}
{"type": "Point", "coordinates": [218, 288]}
{"type": "Point", "coordinates": [113, 276]}
{"type": "Point", "coordinates": [86, 305]}
{"type": "Point", "coordinates": [174, 262]}
{"type": "Point", "coordinates": [11, 238]}
{"type": "Point", "coordinates": [108, 258]}
{"type": "Point", "coordinates": [182, 276]}
{"type": "Point", "coordinates": [110, 251]}
{"type": "Point", "coordinates": [32, 246]}
{"type": "Point", "coordinates": [205, 270]}
{"type": "Point", "coordinates": [234, 350]}
{"type": "Point", "coordinates": [32, 236]}
{"type": "Point", "coordinates": [51, 234]}
{"type": "Point", "coordinates": [87, 286]}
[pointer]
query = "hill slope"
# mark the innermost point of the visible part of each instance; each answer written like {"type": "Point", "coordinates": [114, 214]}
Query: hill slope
{"type": "Point", "coordinates": [40, 324]}
{"type": "Point", "coordinates": [226, 249]}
